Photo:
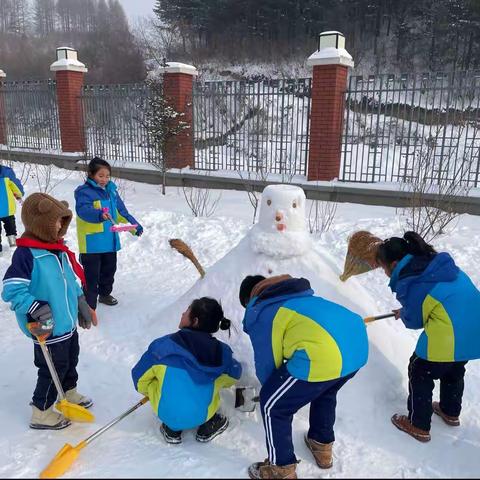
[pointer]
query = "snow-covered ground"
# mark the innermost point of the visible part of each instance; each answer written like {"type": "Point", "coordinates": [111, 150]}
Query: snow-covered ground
{"type": "Point", "coordinates": [152, 277]}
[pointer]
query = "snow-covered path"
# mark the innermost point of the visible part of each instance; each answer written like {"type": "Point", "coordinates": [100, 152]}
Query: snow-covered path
{"type": "Point", "coordinates": [151, 276]}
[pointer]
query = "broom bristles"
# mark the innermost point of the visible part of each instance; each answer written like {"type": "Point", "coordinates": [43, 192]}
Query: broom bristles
{"type": "Point", "coordinates": [181, 247]}
{"type": "Point", "coordinates": [361, 254]}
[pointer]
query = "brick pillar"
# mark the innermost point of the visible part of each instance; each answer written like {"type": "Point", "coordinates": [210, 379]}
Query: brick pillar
{"type": "Point", "coordinates": [330, 69]}
{"type": "Point", "coordinates": [69, 74]}
{"type": "Point", "coordinates": [3, 123]}
{"type": "Point", "coordinates": [177, 89]}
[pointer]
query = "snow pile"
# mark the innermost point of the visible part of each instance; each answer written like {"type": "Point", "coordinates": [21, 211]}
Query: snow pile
{"type": "Point", "coordinates": [154, 283]}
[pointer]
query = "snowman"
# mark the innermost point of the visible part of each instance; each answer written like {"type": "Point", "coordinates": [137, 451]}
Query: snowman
{"type": "Point", "coordinates": [279, 243]}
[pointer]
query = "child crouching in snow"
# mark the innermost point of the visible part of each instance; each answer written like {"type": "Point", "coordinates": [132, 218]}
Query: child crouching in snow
{"type": "Point", "coordinates": [182, 373]}
{"type": "Point", "coordinates": [41, 286]}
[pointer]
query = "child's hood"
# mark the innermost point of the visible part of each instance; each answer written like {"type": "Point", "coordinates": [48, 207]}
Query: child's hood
{"type": "Point", "coordinates": [40, 213]}
{"type": "Point", "coordinates": [182, 350]}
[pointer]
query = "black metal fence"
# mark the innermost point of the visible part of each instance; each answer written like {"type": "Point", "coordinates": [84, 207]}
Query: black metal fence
{"type": "Point", "coordinates": [412, 128]}
{"type": "Point", "coordinates": [113, 116]}
{"type": "Point", "coordinates": [252, 126]}
{"type": "Point", "coordinates": [31, 115]}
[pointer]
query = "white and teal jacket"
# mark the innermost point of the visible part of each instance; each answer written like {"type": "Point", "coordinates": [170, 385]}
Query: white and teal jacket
{"type": "Point", "coordinates": [37, 274]}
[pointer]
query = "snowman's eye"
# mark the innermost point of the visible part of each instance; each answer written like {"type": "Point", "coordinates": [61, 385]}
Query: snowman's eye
{"type": "Point", "coordinates": [294, 204]}
{"type": "Point", "coordinates": [269, 202]}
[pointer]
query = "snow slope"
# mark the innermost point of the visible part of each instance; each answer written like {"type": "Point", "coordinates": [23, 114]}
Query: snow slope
{"type": "Point", "coordinates": [154, 284]}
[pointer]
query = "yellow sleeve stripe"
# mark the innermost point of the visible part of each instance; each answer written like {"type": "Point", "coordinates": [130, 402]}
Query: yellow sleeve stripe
{"type": "Point", "coordinates": [151, 383]}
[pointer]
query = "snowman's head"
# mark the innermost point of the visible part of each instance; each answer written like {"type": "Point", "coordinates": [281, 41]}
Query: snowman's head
{"type": "Point", "coordinates": [282, 209]}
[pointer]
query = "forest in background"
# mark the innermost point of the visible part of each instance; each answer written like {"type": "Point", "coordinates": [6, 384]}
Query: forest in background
{"type": "Point", "coordinates": [390, 36]}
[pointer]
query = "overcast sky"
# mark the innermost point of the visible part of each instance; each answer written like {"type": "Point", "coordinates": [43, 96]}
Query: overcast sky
{"type": "Point", "coordinates": [135, 8]}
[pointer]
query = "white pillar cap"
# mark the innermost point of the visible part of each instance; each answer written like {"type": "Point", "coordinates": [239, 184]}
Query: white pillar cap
{"type": "Point", "coordinates": [331, 51]}
{"type": "Point", "coordinates": [2, 74]}
{"type": "Point", "coordinates": [176, 67]}
{"type": "Point", "coordinates": [67, 59]}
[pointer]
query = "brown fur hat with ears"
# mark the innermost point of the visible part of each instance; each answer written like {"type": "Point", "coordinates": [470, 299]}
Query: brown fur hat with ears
{"type": "Point", "coordinates": [40, 213]}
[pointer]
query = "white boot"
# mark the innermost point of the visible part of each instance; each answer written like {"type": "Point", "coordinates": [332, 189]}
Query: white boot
{"type": "Point", "coordinates": [12, 241]}
{"type": "Point", "coordinates": [48, 419]}
{"type": "Point", "coordinates": [73, 396]}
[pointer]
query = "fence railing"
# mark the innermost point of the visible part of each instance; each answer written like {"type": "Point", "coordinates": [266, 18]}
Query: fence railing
{"type": "Point", "coordinates": [113, 116]}
{"type": "Point", "coordinates": [252, 126]}
{"type": "Point", "coordinates": [411, 128]}
{"type": "Point", "coordinates": [31, 115]}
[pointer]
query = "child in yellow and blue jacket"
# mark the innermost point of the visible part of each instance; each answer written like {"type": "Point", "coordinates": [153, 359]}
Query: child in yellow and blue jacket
{"type": "Point", "coordinates": [305, 348]}
{"type": "Point", "coordinates": [439, 298]}
{"type": "Point", "coordinates": [99, 206]}
{"type": "Point", "coordinates": [11, 189]}
{"type": "Point", "coordinates": [182, 373]}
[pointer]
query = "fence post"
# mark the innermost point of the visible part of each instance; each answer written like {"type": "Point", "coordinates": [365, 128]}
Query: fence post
{"type": "Point", "coordinates": [3, 120]}
{"type": "Point", "coordinates": [69, 73]}
{"type": "Point", "coordinates": [178, 90]}
{"type": "Point", "coordinates": [330, 68]}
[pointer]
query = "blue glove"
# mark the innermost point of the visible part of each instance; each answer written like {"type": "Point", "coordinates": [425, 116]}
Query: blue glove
{"type": "Point", "coordinates": [139, 231]}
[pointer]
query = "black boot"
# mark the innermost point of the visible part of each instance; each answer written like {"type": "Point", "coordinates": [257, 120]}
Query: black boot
{"type": "Point", "coordinates": [107, 300]}
{"type": "Point", "coordinates": [209, 430]}
{"type": "Point", "coordinates": [171, 436]}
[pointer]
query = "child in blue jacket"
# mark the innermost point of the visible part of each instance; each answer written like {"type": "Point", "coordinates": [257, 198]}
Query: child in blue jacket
{"type": "Point", "coordinates": [98, 245]}
{"type": "Point", "coordinates": [440, 299]}
{"type": "Point", "coordinates": [182, 373]}
{"type": "Point", "coordinates": [11, 189]}
{"type": "Point", "coordinates": [306, 349]}
{"type": "Point", "coordinates": [42, 288]}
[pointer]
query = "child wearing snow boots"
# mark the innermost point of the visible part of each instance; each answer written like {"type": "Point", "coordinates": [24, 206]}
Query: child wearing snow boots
{"type": "Point", "coordinates": [41, 287]}
{"type": "Point", "coordinates": [182, 374]}
{"type": "Point", "coordinates": [11, 189]}
{"type": "Point", "coordinates": [98, 207]}
{"type": "Point", "coordinates": [439, 298]}
{"type": "Point", "coordinates": [305, 348]}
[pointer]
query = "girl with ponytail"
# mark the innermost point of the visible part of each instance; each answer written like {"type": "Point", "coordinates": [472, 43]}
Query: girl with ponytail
{"type": "Point", "coordinates": [440, 299]}
{"type": "Point", "coordinates": [182, 373]}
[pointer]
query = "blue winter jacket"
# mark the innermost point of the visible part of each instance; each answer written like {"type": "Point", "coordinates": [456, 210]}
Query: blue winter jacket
{"type": "Point", "coordinates": [10, 186]}
{"type": "Point", "coordinates": [37, 274]}
{"type": "Point", "coordinates": [319, 340]}
{"type": "Point", "coordinates": [94, 235]}
{"type": "Point", "coordinates": [182, 375]}
{"type": "Point", "coordinates": [437, 296]}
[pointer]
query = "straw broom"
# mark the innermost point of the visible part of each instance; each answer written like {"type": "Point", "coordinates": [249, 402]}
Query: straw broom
{"type": "Point", "coordinates": [361, 254]}
{"type": "Point", "coordinates": [181, 247]}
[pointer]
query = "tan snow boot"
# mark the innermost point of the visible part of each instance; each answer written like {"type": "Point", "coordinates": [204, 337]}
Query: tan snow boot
{"type": "Point", "coordinates": [265, 469]}
{"type": "Point", "coordinates": [48, 419]}
{"type": "Point", "coordinates": [323, 452]}
{"type": "Point", "coordinates": [73, 396]}
{"type": "Point", "coordinates": [448, 419]}
{"type": "Point", "coordinates": [405, 425]}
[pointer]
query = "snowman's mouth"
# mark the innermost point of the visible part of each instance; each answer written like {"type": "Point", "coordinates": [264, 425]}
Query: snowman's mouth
{"type": "Point", "coordinates": [281, 227]}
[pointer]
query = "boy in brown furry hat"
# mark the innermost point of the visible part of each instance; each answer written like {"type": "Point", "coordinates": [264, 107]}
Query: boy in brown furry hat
{"type": "Point", "coordinates": [42, 288]}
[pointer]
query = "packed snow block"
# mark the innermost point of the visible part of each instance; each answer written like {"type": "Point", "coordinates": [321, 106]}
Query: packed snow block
{"type": "Point", "coordinates": [279, 243]}
{"type": "Point", "coordinates": [361, 254]}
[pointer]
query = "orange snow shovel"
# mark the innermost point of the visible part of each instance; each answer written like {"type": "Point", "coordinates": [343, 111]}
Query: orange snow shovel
{"type": "Point", "coordinates": [68, 454]}
{"type": "Point", "coordinates": [74, 412]}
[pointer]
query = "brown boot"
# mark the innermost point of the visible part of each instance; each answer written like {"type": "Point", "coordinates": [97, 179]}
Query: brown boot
{"type": "Point", "coordinates": [403, 423]}
{"type": "Point", "coordinates": [265, 469]}
{"type": "Point", "coordinates": [452, 421]}
{"type": "Point", "coordinates": [321, 451]}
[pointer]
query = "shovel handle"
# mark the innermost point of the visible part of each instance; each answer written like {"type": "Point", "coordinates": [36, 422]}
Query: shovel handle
{"type": "Point", "coordinates": [378, 317]}
{"type": "Point", "coordinates": [95, 435]}
{"type": "Point", "coordinates": [51, 368]}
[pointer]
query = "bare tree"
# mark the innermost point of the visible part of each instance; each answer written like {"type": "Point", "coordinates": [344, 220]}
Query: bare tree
{"type": "Point", "coordinates": [201, 201]}
{"type": "Point", "coordinates": [321, 216]}
{"type": "Point", "coordinates": [445, 175]}
{"type": "Point", "coordinates": [162, 123]}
